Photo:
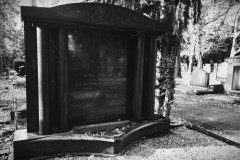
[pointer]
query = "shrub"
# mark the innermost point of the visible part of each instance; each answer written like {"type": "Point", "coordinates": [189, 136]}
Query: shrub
{"type": "Point", "coordinates": [12, 72]}
{"type": "Point", "coordinates": [19, 65]}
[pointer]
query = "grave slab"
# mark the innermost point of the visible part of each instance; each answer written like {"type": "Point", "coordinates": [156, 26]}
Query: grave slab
{"type": "Point", "coordinates": [29, 145]}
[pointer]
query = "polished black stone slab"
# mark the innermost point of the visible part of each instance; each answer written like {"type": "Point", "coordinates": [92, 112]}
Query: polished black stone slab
{"type": "Point", "coordinates": [97, 75]}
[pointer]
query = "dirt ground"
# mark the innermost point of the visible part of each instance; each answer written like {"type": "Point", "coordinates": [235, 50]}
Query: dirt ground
{"type": "Point", "coordinates": [181, 143]}
{"type": "Point", "coordinates": [185, 95]}
{"type": "Point", "coordinates": [8, 92]}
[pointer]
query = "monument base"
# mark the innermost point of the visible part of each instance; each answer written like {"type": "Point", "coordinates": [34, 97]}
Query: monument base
{"type": "Point", "coordinates": [30, 145]}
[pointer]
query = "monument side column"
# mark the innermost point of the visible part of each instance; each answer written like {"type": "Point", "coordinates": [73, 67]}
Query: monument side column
{"type": "Point", "coordinates": [43, 96]}
{"type": "Point", "coordinates": [62, 81]}
{"type": "Point", "coordinates": [151, 77]}
{"type": "Point", "coordinates": [138, 79]}
{"type": "Point", "coordinates": [30, 40]}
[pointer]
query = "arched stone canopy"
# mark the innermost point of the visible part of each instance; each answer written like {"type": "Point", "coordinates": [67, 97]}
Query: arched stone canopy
{"type": "Point", "coordinates": [97, 14]}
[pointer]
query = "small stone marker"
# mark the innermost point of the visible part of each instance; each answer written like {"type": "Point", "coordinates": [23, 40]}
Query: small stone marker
{"type": "Point", "coordinates": [207, 68]}
{"type": "Point", "coordinates": [199, 78]}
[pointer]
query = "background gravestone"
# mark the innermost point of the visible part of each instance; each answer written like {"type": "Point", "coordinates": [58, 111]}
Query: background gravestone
{"type": "Point", "coordinates": [207, 68]}
{"type": "Point", "coordinates": [199, 78]}
{"type": "Point", "coordinates": [222, 71]}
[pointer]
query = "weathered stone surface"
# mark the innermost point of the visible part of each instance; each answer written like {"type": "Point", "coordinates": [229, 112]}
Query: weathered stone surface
{"type": "Point", "coordinates": [236, 78]}
{"type": "Point", "coordinates": [233, 74]}
{"type": "Point", "coordinates": [222, 71]}
{"type": "Point", "coordinates": [199, 78]}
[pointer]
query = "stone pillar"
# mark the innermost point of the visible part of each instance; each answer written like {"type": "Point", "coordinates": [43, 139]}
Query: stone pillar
{"type": "Point", "coordinates": [151, 77]}
{"type": "Point", "coordinates": [7, 72]}
{"type": "Point", "coordinates": [30, 41]}
{"type": "Point", "coordinates": [138, 80]}
{"type": "Point", "coordinates": [43, 97]}
{"type": "Point", "coordinates": [62, 80]}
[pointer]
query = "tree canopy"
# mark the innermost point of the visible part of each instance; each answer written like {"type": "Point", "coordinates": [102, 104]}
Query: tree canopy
{"type": "Point", "coordinates": [215, 31]}
{"type": "Point", "coordinates": [11, 32]}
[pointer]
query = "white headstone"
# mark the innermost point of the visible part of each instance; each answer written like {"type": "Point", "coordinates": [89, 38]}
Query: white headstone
{"type": "Point", "coordinates": [207, 68]}
{"type": "Point", "coordinates": [199, 78]}
{"type": "Point", "coordinates": [222, 71]}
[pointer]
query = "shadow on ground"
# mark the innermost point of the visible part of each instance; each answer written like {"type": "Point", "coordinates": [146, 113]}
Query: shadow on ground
{"type": "Point", "coordinates": [218, 113]}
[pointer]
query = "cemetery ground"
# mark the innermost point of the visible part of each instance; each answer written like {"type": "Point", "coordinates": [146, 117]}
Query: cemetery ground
{"type": "Point", "coordinates": [180, 143]}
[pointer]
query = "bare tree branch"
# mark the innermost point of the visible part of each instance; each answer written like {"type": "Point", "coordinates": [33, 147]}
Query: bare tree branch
{"type": "Point", "coordinates": [235, 35]}
{"type": "Point", "coordinates": [223, 3]}
{"type": "Point", "coordinates": [235, 21]}
{"type": "Point", "coordinates": [221, 14]}
{"type": "Point", "coordinates": [225, 17]}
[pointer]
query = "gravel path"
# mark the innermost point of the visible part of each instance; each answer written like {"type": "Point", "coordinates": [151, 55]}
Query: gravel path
{"type": "Point", "coordinates": [180, 143]}
{"type": "Point", "coordinates": [6, 126]}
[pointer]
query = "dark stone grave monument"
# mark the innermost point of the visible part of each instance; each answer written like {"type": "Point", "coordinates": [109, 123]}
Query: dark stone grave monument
{"type": "Point", "coordinates": [89, 67]}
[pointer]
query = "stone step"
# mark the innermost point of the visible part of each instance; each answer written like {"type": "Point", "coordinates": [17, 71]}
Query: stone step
{"type": "Point", "coordinates": [206, 91]}
{"type": "Point", "coordinates": [217, 88]}
{"type": "Point", "coordinates": [35, 146]}
{"type": "Point", "coordinates": [235, 95]}
{"type": "Point", "coordinates": [212, 89]}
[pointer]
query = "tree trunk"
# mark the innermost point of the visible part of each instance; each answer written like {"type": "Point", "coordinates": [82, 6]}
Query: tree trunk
{"type": "Point", "coordinates": [190, 66]}
{"type": "Point", "coordinates": [34, 3]}
{"type": "Point", "coordinates": [235, 45]}
{"type": "Point", "coordinates": [1, 64]}
{"type": "Point", "coordinates": [197, 49]}
{"type": "Point", "coordinates": [178, 64]}
{"type": "Point", "coordinates": [192, 51]}
{"type": "Point", "coordinates": [166, 104]}
{"type": "Point", "coordinates": [157, 90]}
{"type": "Point", "coordinates": [200, 63]}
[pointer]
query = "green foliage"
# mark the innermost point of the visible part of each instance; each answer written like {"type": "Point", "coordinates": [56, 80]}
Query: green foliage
{"type": "Point", "coordinates": [213, 31]}
{"type": "Point", "coordinates": [175, 13]}
{"type": "Point", "coordinates": [219, 50]}
{"type": "Point", "coordinates": [148, 7]}
{"type": "Point", "coordinates": [167, 68]}
{"type": "Point", "coordinates": [197, 6]}
{"type": "Point", "coordinates": [18, 63]}
{"type": "Point", "coordinates": [11, 31]}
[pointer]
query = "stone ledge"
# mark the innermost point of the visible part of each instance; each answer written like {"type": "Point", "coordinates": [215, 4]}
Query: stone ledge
{"type": "Point", "coordinates": [27, 146]}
